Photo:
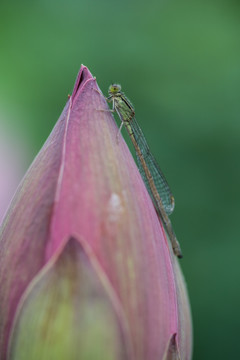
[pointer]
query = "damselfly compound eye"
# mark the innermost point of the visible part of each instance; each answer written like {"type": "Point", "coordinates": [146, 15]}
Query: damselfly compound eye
{"type": "Point", "coordinates": [114, 88]}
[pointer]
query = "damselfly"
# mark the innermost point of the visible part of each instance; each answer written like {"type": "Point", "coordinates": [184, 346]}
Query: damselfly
{"type": "Point", "coordinates": [153, 177]}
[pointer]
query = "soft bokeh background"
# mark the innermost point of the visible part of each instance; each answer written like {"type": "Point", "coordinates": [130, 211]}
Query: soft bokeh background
{"type": "Point", "coordinates": [179, 63]}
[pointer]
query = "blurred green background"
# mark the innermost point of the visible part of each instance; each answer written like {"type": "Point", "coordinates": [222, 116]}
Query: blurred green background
{"type": "Point", "coordinates": [179, 63]}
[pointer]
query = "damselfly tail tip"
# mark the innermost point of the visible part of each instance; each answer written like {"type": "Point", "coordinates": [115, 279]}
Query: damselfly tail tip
{"type": "Point", "coordinates": [177, 251]}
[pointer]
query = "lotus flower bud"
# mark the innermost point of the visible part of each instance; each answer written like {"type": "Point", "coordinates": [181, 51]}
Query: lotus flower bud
{"type": "Point", "coordinates": [86, 270]}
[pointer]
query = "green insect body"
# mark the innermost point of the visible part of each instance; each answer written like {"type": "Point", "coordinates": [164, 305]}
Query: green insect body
{"type": "Point", "coordinates": [152, 175]}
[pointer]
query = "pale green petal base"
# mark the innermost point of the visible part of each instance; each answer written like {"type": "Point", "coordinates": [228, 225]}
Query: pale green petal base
{"type": "Point", "coordinates": [66, 314]}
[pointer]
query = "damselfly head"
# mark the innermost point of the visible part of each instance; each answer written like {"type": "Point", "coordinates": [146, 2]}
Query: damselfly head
{"type": "Point", "coordinates": [114, 89]}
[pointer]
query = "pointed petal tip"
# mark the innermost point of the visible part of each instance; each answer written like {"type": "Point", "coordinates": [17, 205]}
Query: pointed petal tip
{"type": "Point", "coordinates": [84, 75]}
{"type": "Point", "coordinates": [172, 352]}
